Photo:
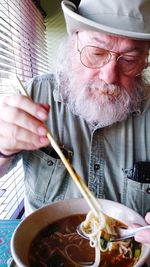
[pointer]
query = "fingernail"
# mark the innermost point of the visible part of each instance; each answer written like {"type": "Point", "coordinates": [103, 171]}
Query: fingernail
{"type": "Point", "coordinates": [140, 238]}
{"type": "Point", "coordinates": [42, 114]}
{"type": "Point", "coordinates": [46, 107]}
{"type": "Point", "coordinates": [42, 130]}
{"type": "Point", "coordinates": [44, 140]}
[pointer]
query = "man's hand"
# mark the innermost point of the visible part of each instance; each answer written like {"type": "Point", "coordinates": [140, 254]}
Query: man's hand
{"type": "Point", "coordinates": [144, 235]}
{"type": "Point", "coordinates": [22, 124]}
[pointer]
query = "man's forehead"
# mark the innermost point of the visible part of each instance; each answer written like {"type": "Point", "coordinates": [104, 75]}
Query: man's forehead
{"type": "Point", "coordinates": [109, 41]}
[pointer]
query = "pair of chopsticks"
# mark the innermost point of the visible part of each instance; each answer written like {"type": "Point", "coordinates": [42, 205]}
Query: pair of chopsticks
{"type": "Point", "coordinates": [87, 194]}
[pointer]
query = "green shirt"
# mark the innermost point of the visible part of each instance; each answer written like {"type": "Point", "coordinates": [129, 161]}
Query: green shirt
{"type": "Point", "coordinates": [103, 157]}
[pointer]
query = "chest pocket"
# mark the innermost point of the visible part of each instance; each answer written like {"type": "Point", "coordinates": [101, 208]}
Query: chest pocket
{"type": "Point", "coordinates": [135, 195]}
{"type": "Point", "coordinates": [46, 178]}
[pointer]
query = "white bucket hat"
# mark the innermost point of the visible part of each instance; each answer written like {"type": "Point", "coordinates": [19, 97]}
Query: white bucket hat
{"type": "Point", "coordinates": [130, 18]}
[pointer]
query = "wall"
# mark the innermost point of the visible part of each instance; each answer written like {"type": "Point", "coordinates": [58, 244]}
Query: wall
{"type": "Point", "coordinates": [55, 27]}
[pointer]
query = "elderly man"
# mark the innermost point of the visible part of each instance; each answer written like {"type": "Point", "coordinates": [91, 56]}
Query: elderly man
{"type": "Point", "coordinates": [96, 106]}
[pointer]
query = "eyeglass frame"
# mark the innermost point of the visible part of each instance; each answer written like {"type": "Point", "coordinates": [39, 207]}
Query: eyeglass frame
{"type": "Point", "coordinates": [111, 53]}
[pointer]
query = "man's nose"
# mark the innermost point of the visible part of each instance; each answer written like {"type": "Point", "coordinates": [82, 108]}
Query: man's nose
{"type": "Point", "coordinates": [109, 73]}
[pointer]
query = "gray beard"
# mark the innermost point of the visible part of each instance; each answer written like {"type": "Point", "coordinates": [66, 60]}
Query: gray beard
{"type": "Point", "coordinates": [99, 103]}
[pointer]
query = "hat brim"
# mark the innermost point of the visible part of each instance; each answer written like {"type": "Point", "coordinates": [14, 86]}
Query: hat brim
{"type": "Point", "coordinates": [75, 23]}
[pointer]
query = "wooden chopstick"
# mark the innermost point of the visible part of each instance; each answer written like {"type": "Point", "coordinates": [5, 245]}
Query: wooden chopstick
{"type": "Point", "coordinates": [87, 194]}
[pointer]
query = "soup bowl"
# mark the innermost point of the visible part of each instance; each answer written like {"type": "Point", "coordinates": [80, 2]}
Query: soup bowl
{"type": "Point", "coordinates": [31, 225]}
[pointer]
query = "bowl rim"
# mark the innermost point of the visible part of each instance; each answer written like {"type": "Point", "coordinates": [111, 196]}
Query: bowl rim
{"type": "Point", "coordinates": [78, 202]}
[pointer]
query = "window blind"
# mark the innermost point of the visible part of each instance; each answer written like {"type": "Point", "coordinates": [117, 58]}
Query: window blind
{"type": "Point", "coordinates": [12, 193]}
{"type": "Point", "coordinates": [23, 52]}
{"type": "Point", "coordinates": [23, 48]}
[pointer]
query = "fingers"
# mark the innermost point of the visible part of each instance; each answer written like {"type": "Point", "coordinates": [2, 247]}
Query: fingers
{"type": "Point", "coordinates": [19, 138]}
{"type": "Point", "coordinates": [26, 104]}
{"type": "Point", "coordinates": [24, 120]}
{"type": "Point", "coordinates": [22, 124]}
{"type": "Point", "coordinates": [144, 235]}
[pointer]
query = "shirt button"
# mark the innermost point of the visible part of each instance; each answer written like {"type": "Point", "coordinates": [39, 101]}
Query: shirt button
{"type": "Point", "coordinates": [49, 163]}
{"type": "Point", "coordinates": [148, 190]}
{"type": "Point", "coordinates": [96, 167]}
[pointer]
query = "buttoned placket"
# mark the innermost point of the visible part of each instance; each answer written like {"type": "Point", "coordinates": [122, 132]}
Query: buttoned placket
{"type": "Point", "coordinates": [96, 164]}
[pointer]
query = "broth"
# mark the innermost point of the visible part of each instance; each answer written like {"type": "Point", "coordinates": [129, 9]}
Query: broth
{"type": "Point", "coordinates": [59, 245]}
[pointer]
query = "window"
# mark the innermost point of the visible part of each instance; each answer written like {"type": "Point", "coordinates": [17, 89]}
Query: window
{"type": "Point", "coordinates": [23, 48]}
{"type": "Point", "coordinates": [23, 52]}
{"type": "Point", "coordinates": [12, 193]}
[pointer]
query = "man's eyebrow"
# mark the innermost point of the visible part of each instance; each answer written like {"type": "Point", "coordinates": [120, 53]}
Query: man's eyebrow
{"type": "Point", "coordinates": [134, 48]}
{"type": "Point", "coordinates": [98, 40]}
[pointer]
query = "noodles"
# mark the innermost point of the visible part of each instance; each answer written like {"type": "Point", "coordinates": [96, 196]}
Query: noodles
{"type": "Point", "coordinates": [59, 244]}
{"type": "Point", "coordinates": [96, 227]}
{"type": "Point", "coordinates": [99, 231]}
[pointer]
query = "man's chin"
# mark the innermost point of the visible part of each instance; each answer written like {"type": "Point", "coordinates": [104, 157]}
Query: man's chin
{"type": "Point", "coordinates": [104, 122]}
{"type": "Point", "coordinates": [102, 116]}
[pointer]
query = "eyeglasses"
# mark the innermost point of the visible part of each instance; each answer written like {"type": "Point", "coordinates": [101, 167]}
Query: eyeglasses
{"type": "Point", "coordinates": [95, 57]}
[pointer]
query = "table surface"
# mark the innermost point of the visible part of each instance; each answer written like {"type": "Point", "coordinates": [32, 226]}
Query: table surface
{"type": "Point", "coordinates": [7, 228]}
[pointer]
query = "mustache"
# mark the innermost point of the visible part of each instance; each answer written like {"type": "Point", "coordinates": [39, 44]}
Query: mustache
{"type": "Point", "coordinates": [102, 88]}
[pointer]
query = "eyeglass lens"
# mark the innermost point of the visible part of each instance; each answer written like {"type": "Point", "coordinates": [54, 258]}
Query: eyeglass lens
{"type": "Point", "coordinates": [95, 57]}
